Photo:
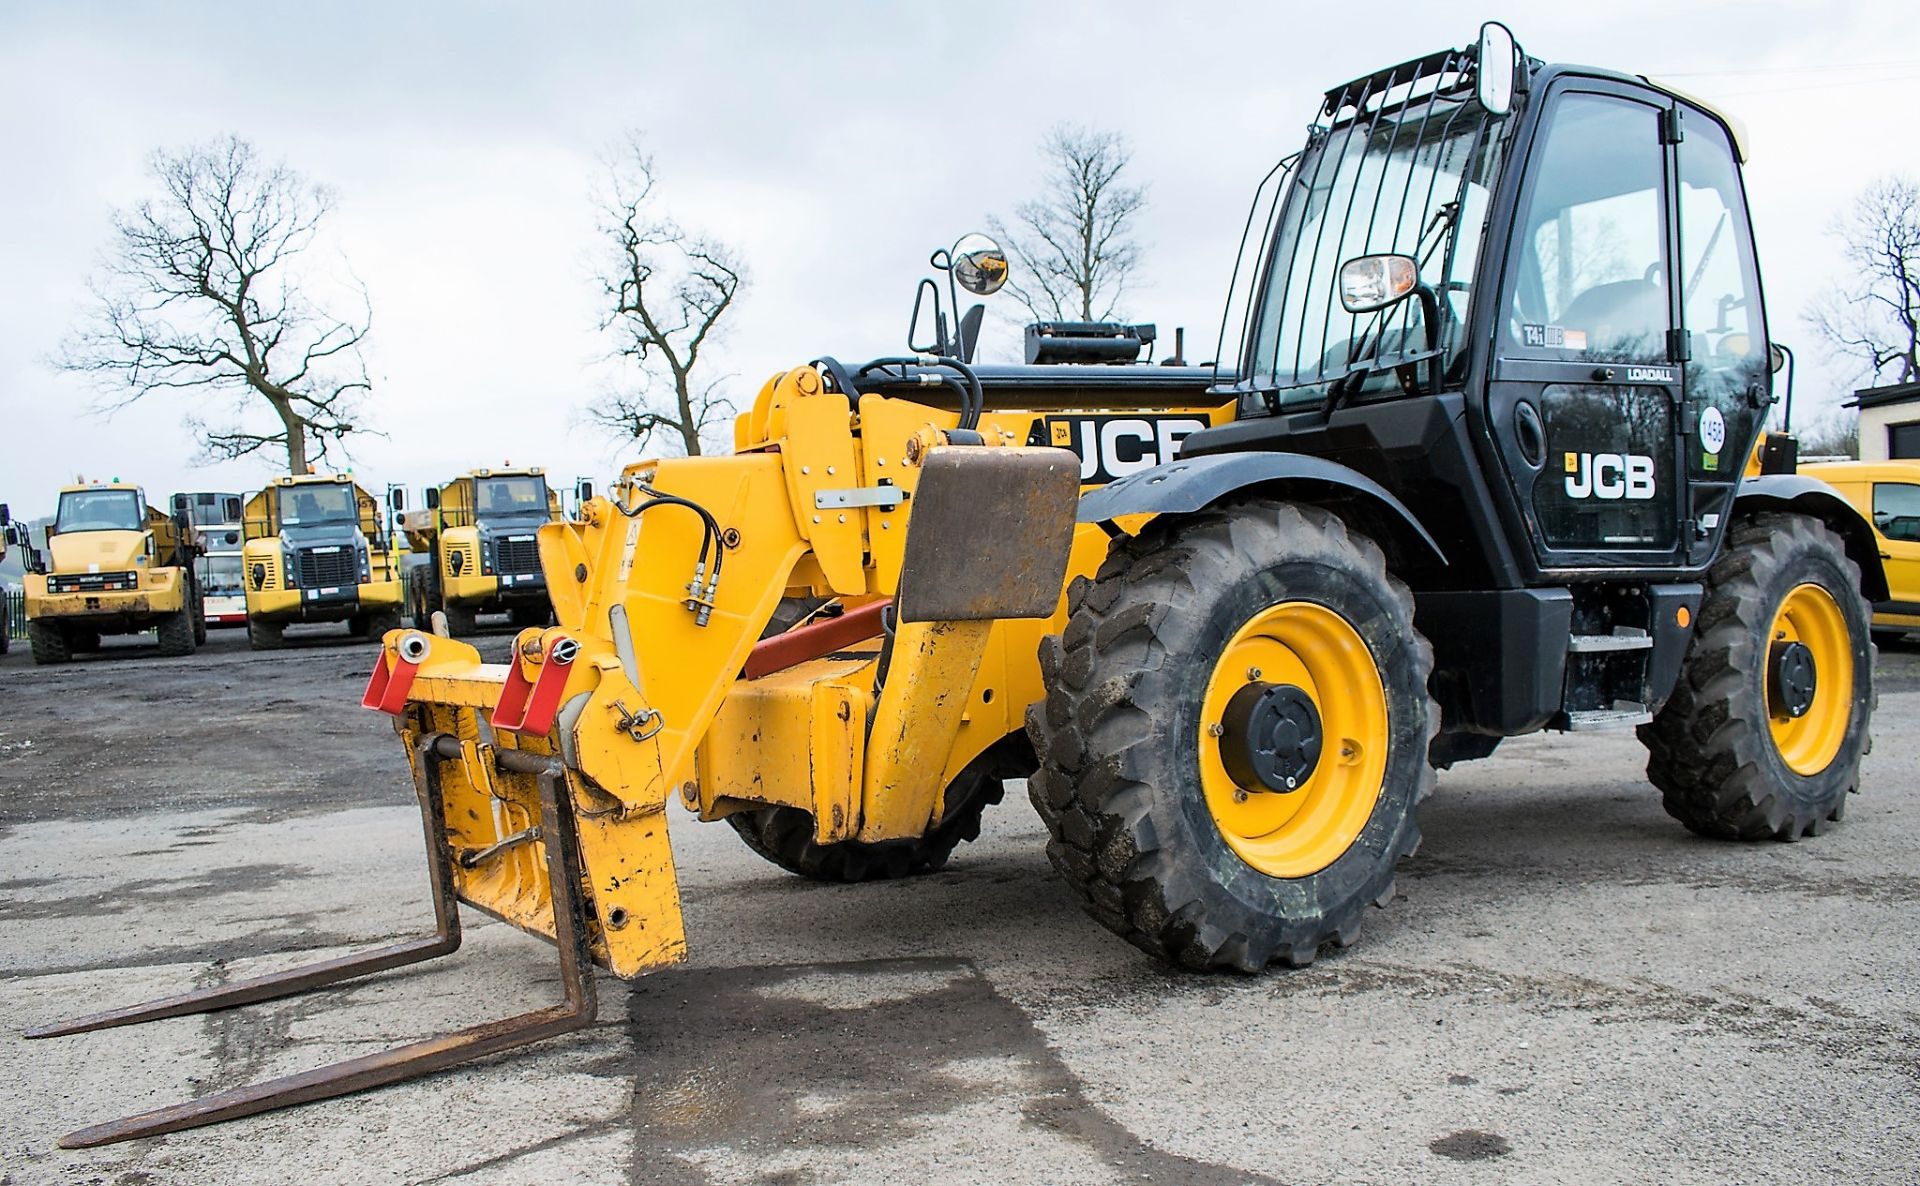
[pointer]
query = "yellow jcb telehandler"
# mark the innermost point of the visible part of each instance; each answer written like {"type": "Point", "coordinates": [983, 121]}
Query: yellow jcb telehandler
{"type": "Point", "coordinates": [1474, 468]}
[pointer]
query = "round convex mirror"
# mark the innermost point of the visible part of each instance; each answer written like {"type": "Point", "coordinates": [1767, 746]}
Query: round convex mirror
{"type": "Point", "coordinates": [979, 265]}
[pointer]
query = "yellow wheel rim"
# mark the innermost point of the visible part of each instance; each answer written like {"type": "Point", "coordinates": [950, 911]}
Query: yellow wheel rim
{"type": "Point", "coordinates": [1811, 617]}
{"type": "Point", "coordinates": [1314, 649]}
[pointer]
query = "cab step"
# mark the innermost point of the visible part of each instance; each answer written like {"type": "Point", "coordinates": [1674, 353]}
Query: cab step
{"type": "Point", "coordinates": [1623, 715]}
{"type": "Point", "coordinates": [1623, 638]}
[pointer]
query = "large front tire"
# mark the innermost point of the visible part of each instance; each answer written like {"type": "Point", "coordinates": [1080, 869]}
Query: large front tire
{"type": "Point", "coordinates": [263, 635]}
{"type": "Point", "coordinates": [462, 621]}
{"type": "Point", "coordinates": [1749, 747]}
{"type": "Point", "coordinates": [1202, 644]}
{"type": "Point", "coordinates": [49, 643]}
{"type": "Point", "coordinates": [176, 631]}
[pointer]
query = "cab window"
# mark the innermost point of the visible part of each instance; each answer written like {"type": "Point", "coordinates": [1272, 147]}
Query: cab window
{"type": "Point", "coordinates": [1590, 279]}
{"type": "Point", "coordinates": [1719, 297]}
{"type": "Point", "coordinates": [99, 510]}
{"type": "Point", "coordinates": [1896, 511]}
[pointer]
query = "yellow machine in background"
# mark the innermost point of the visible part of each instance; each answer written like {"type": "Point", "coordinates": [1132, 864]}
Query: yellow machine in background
{"type": "Point", "coordinates": [315, 551]}
{"type": "Point", "coordinates": [114, 565]}
{"type": "Point", "coordinates": [478, 534]}
{"type": "Point", "coordinates": [1887, 493]}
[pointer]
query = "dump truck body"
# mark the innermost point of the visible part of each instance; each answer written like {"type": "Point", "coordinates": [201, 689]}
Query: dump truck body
{"type": "Point", "coordinates": [314, 551]}
{"type": "Point", "coordinates": [113, 565]}
{"type": "Point", "coordinates": [480, 534]}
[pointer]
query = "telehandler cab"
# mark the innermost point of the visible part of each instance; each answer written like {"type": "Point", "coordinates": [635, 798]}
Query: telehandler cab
{"type": "Point", "coordinates": [1474, 470]}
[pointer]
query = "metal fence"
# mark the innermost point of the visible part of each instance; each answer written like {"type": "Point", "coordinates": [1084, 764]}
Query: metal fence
{"type": "Point", "coordinates": [13, 607]}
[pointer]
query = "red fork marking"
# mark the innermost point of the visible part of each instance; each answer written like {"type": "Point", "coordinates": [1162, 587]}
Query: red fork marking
{"type": "Point", "coordinates": [528, 706]}
{"type": "Point", "coordinates": [387, 687]}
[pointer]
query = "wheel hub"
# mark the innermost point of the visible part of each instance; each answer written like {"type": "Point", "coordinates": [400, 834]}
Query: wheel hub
{"type": "Point", "coordinates": [1270, 737]}
{"type": "Point", "coordinates": [1791, 679]}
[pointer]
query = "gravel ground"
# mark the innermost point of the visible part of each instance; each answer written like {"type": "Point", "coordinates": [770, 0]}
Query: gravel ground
{"type": "Point", "coordinates": [1570, 988]}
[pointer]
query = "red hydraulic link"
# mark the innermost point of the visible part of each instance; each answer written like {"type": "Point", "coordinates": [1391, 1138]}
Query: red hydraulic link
{"type": "Point", "coordinates": [815, 639]}
{"type": "Point", "coordinates": [387, 687]}
{"type": "Point", "coordinates": [528, 706]}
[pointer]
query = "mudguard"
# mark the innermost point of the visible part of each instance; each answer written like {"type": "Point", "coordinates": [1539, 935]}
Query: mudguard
{"type": "Point", "coordinates": [1810, 496]}
{"type": "Point", "coordinates": [1190, 484]}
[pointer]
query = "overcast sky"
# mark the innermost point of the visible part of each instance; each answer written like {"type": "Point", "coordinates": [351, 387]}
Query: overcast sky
{"type": "Point", "coordinates": [833, 145]}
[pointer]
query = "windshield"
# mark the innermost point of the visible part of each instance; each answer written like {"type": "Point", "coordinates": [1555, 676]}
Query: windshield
{"type": "Point", "coordinates": [99, 510]}
{"type": "Point", "coordinates": [222, 574]}
{"type": "Point", "coordinates": [510, 496]}
{"type": "Point", "coordinates": [1411, 179]}
{"type": "Point", "coordinates": [308, 506]}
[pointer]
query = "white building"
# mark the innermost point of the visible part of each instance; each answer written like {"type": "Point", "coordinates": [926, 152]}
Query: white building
{"type": "Point", "coordinates": [1889, 421]}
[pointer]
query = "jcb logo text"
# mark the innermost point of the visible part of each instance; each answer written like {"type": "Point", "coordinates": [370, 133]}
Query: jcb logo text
{"type": "Point", "coordinates": [1609, 475]}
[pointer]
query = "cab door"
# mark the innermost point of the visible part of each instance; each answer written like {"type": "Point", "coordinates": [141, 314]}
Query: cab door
{"type": "Point", "coordinates": [1724, 350]}
{"type": "Point", "coordinates": [1585, 394]}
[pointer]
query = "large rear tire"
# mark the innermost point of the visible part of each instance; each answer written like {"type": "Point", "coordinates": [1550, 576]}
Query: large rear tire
{"type": "Point", "coordinates": [48, 641]}
{"type": "Point", "coordinates": [1212, 659]}
{"type": "Point", "coordinates": [1763, 735]}
{"type": "Point", "coordinates": [176, 630]}
{"type": "Point", "coordinates": [784, 835]}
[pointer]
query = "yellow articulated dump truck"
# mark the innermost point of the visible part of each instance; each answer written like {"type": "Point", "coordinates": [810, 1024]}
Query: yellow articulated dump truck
{"type": "Point", "coordinates": [315, 551]}
{"type": "Point", "coordinates": [113, 565]}
{"type": "Point", "coordinates": [479, 535]}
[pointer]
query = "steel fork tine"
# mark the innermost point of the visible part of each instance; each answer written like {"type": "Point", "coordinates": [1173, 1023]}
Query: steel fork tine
{"type": "Point", "coordinates": [429, 1054]}
{"type": "Point", "coordinates": [444, 940]}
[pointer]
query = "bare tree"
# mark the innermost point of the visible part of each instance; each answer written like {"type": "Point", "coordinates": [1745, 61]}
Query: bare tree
{"type": "Point", "coordinates": [1874, 317]}
{"type": "Point", "coordinates": [666, 291]}
{"type": "Point", "coordinates": [1075, 242]}
{"type": "Point", "coordinates": [202, 292]}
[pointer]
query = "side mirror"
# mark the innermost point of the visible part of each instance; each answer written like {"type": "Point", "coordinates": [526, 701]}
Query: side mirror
{"type": "Point", "coordinates": [979, 265]}
{"type": "Point", "coordinates": [6, 516]}
{"type": "Point", "coordinates": [1776, 362]}
{"type": "Point", "coordinates": [234, 510]}
{"type": "Point", "coordinates": [397, 498]}
{"type": "Point", "coordinates": [182, 504]}
{"type": "Point", "coordinates": [582, 492]}
{"type": "Point", "coordinates": [1372, 282]}
{"type": "Point", "coordinates": [433, 498]}
{"type": "Point", "coordinates": [1495, 69]}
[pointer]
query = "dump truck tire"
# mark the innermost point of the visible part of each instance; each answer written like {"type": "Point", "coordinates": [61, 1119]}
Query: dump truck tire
{"type": "Point", "coordinates": [1747, 747]}
{"type": "Point", "coordinates": [176, 631]}
{"type": "Point", "coordinates": [524, 616]}
{"type": "Point", "coordinates": [374, 626]}
{"type": "Point", "coordinates": [1174, 638]}
{"type": "Point", "coordinates": [48, 642]}
{"type": "Point", "coordinates": [784, 835]}
{"type": "Point", "coordinates": [461, 621]}
{"type": "Point", "coordinates": [265, 636]}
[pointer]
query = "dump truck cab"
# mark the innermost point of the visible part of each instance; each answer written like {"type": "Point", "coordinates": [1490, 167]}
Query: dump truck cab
{"type": "Point", "coordinates": [314, 551]}
{"type": "Point", "coordinates": [113, 565]}
{"type": "Point", "coordinates": [480, 531]}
